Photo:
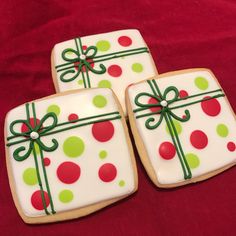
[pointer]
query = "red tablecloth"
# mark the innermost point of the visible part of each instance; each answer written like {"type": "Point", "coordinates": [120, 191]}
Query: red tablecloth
{"type": "Point", "coordinates": [180, 34]}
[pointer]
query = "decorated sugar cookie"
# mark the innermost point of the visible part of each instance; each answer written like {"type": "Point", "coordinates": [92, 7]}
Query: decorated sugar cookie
{"type": "Point", "coordinates": [110, 60]}
{"type": "Point", "coordinates": [68, 155]}
{"type": "Point", "coordinates": [183, 125]}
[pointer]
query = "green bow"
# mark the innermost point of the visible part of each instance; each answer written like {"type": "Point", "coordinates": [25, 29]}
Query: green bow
{"type": "Point", "coordinates": [165, 103]}
{"type": "Point", "coordinates": [37, 130]}
{"type": "Point", "coordinates": [83, 59]}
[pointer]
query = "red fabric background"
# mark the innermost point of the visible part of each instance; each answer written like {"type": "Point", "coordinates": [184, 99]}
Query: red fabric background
{"type": "Point", "coordinates": [180, 34]}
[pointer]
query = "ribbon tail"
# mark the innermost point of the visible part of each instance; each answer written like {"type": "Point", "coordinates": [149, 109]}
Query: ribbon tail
{"type": "Point", "coordinates": [16, 153]}
{"type": "Point", "coordinates": [99, 72]}
{"type": "Point", "coordinates": [177, 144]}
{"type": "Point", "coordinates": [46, 182]}
{"type": "Point", "coordinates": [71, 71]}
{"type": "Point", "coordinates": [40, 181]}
{"type": "Point", "coordinates": [45, 148]}
{"type": "Point", "coordinates": [151, 120]}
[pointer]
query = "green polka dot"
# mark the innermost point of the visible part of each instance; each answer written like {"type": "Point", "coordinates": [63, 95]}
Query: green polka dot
{"type": "Point", "coordinates": [102, 154]}
{"type": "Point", "coordinates": [192, 160]}
{"type": "Point", "coordinates": [122, 183]}
{"type": "Point", "coordinates": [30, 176]}
{"type": "Point", "coordinates": [137, 67]}
{"type": "Point", "coordinates": [103, 45]}
{"type": "Point", "coordinates": [80, 82]}
{"type": "Point", "coordinates": [73, 146]}
{"type": "Point", "coordinates": [66, 196]}
{"type": "Point", "coordinates": [54, 108]}
{"type": "Point", "coordinates": [104, 84]}
{"type": "Point", "coordinates": [177, 126]}
{"type": "Point", "coordinates": [222, 130]}
{"type": "Point", "coordinates": [201, 83]}
{"type": "Point", "coordinates": [99, 101]}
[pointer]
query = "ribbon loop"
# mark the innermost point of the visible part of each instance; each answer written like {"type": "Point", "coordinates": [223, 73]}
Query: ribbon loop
{"type": "Point", "coordinates": [167, 93]}
{"type": "Point", "coordinates": [22, 122]}
{"type": "Point", "coordinates": [146, 105]}
{"type": "Point", "coordinates": [90, 49]}
{"type": "Point", "coordinates": [41, 128]}
{"type": "Point", "coordinates": [71, 52]}
{"type": "Point", "coordinates": [24, 156]}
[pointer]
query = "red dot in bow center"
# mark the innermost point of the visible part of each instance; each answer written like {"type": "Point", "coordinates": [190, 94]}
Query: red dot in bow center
{"type": "Point", "coordinates": [154, 101]}
{"type": "Point", "coordinates": [124, 41]}
{"type": "Point", "coordinates": [24, 127]}
{"type": "Point", "coordinates": [37, 201]}
{"type": "Point", "coordinates": [76, 64]}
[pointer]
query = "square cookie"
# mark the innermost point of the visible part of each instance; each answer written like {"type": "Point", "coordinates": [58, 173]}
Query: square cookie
{"type": "Point", "coordinates": [68, 155]}
{"type": "Point", "coordinates": [183, 125]}
{"type": "Point", "coordinates": [112, 60]}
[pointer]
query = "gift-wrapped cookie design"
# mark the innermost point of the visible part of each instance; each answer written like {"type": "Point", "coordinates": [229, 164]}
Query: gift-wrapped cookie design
{"type": "Point", "coordinates": [183, 125]}
{"type": "Point", "coordinates": [111, 60]}
{"type": "Point", "coordinates": [68, 155]}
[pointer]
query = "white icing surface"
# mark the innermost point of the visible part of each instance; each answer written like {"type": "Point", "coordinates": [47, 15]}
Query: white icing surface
{"type": "Point", "coordinates": [128, 76]}
{"type": "Point", "coordinates": [88, 189]}
{"type": "Point", "coordinates": [214, 156]}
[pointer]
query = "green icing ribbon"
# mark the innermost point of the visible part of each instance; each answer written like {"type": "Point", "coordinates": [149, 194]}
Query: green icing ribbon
{"type": "Point", "coordinates": [85, 58]}
{"type": "Point", "coordinates": [33, 136]}
{"type": "Point", "coordinates": [166, 112]}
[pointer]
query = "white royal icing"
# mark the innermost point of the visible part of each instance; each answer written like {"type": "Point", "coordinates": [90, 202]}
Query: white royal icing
{"type": "Point", "coordinates": [89, 188]}
{"type": "Point", "coordinates": [214, 156]}
{"type": "Point", "coordinates": [128, 76]}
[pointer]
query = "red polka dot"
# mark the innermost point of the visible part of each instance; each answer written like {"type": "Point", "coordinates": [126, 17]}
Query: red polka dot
{"type": "Point", "coordinates": [184, 116]}
{"type": "Point", "coordinates": [68, 172]}
{"type": "Point", "coordinates": [183, 94]}
{"type": "Point", "coordinates": [37, 201]}
{"type": "Point", "coordinates": [84, 47]}
{"type": "Point", "coordinates": [167, 150]}
{"type": "Point", "coordinates": [73, 117]}
{"type": "Point", "coordinates": [103, 131]}
{"type": "Point", "coordinates": [211, 107]}
{"type": "Point", "coordinates": [76, 64]}
{"type": "Point", "coordinates": [198, 139]}
{"type": "Point", "coordinates": [46, 161]}
{"type": "Point", "coordinates": [25, 128]}
{"type": "Point", "coordinates": [107, 172]}
{"type": "Point", "coordinates": [114, 70]}
{"type": "Point", "coordinates": [154, 101]}
{"type": "Point", "coordinates": [231, 146]}
{"type": "Point", "coordinates": [125, 41]}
